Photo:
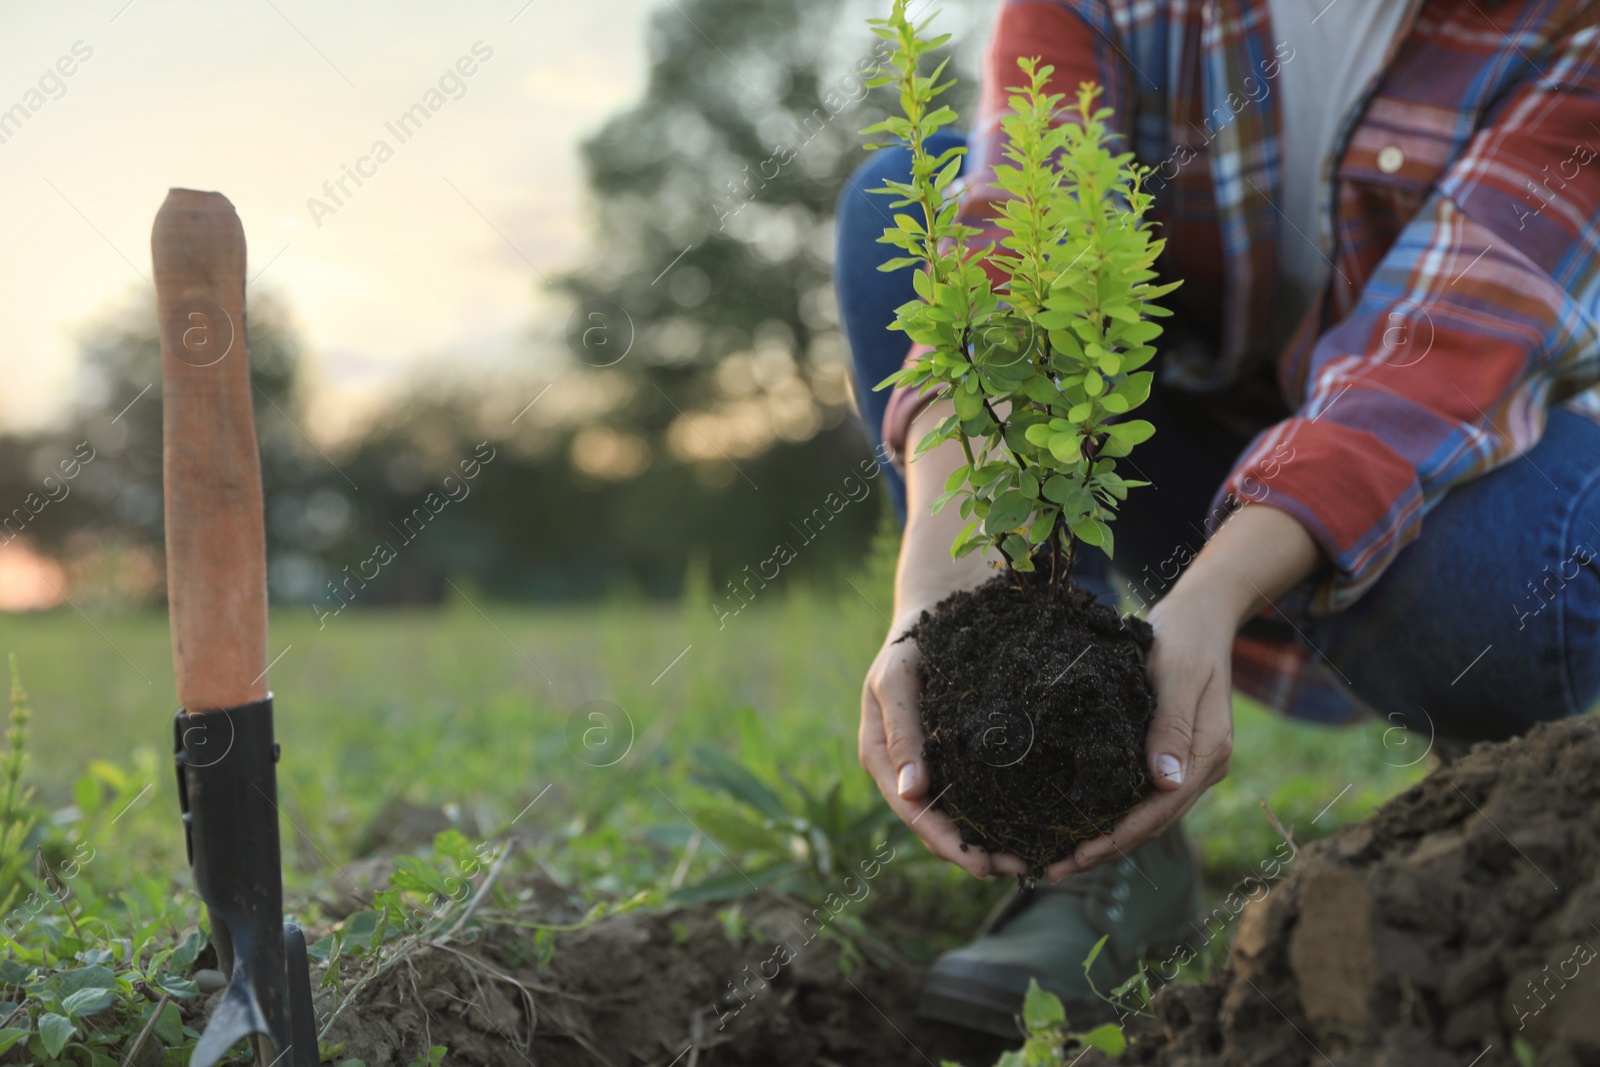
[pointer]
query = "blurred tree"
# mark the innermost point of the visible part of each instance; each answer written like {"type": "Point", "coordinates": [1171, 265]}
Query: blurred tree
{"type": "Point", "coordinates": [107, 517]}
{"type": "Point", "coordinates": [714, 205]}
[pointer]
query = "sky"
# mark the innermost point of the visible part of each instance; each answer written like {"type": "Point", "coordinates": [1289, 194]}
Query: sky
{"type": "Point", "coordinates": [438, 259]}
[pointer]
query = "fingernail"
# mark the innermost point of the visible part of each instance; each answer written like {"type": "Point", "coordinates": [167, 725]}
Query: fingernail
{"type": "Point", "coordinates": [1169, 768]}
{"type": "Point", "coordinates": [908, 778]}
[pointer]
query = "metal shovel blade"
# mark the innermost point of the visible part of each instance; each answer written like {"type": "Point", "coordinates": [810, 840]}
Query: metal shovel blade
{"type": "Point", "coordinates": [227, 783]}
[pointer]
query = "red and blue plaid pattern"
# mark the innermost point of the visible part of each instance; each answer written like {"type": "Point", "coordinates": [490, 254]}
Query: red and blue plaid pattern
{"type": "Point", "coordinates": [1463, 297]}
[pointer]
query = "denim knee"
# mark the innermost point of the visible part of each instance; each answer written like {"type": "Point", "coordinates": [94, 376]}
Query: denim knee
{"type": "Point", "coordinates": [1489, 622]}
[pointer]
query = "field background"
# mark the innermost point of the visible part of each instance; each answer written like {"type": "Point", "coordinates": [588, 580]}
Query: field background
{"type": "Point", "coordinates": [397, 723]}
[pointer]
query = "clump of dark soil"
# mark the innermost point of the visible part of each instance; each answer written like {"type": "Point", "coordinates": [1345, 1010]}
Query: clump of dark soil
{"type": "Point", "coordinates": [1463, 916]}
{"type": "Point", "coordinates": [676, 988]}
{"type": "Point", "coordinates": [1035, 707]}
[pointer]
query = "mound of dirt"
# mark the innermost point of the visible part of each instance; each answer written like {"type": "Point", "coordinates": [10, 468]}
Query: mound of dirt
{"type": "Point", "coordinates": [1035, 709]}
{"type": "Point", "coordinates": [678, 988]}
{"type": "Point", "coordinates": [1462, 917]}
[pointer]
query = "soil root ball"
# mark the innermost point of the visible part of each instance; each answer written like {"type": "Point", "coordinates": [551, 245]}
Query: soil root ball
{"type": "Point", "coordinates": [1035, 708]}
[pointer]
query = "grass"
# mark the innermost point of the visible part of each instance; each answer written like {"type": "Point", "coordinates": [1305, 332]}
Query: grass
{"type": "Point", "coordinates": [483, 711]}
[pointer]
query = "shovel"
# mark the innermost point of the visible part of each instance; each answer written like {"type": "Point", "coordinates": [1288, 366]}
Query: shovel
{"type": "Point", "coordinates": [217, 599]}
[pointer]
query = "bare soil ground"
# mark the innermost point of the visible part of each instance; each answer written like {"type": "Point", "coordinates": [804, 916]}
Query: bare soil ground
{"type": "Point", "coordinates": [657, 989]}
{"type": "Point", "coordinates": [1464, 915]}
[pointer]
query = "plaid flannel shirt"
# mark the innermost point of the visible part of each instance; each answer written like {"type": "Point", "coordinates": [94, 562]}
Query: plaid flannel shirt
{"type": "Point", "coordinates": [1463, 214]}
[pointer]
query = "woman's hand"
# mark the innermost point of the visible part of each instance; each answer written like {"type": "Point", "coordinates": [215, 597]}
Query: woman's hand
{"type": "Point", "coordinates": [891, 751]}
{"type": "Point", "coordinates": [891, 715]}
{"type": "Point", "coordinates": [1259, 554]}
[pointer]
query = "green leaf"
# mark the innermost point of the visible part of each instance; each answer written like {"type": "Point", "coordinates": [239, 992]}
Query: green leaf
{"type": "Point", "coordinates": [182, 988]}
{"type": "Point", "coordinates": [1042, 1009]}
{"type": "Point", "coordinates": [1094, 953]}
{"type": "Point", "coordinates": [169, 1028]}
{"type": "Point", "coordinates": [959, 545]}
{"type": "Point", "coordinates": [10, 1036]}
{"type": "Point", "coordinates": [1087, 531]}
{"type": "Point", "coordinates": [899, 262]}
{"type": "Point", "coordinates": [1135, 389]}
{"type": "Point", "coordinates": [1042, 390]}
{"type": "Point", "coordinates": [1042, 1050]}
{"type": "Point", "coordinates": [731, 884]}
{"type": "Point", "coordinates": [1108, 543]}
{"type": "Point", "coordinates": [88, 1001]}
{"type": "Point", "coordinates": [1009, 510]}
{"type": "Point", "coordinates": [1139, 332]}
{"type": "Point", "coordinates": [720, 770]}
{"type": "Point", "coordinates": [1043, 523]}
{"type": "Point", "coordinates": [55, 1031]}
{"type": "Point", "coordinates": [1067, 447]}
{"type": "Point", "coordinates": [1107, 1037]}
{"type": "Point", "coordinates": [1122, 436]}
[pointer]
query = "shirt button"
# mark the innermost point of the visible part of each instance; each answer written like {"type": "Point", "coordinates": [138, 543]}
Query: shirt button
{"type": "Point", "coordinates": [1391, 159]}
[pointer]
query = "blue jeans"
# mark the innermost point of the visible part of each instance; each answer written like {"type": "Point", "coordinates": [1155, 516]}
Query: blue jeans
{"type": "Point", "coordinates": [1486, 624]}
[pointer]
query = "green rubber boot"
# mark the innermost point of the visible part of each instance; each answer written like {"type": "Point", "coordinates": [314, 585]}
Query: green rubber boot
{"type": "Point", "coordinates": [1145, 901]}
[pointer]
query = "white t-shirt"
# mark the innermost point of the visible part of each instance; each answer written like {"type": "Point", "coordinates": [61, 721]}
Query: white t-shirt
{"type": "Point", "coordinates": [1338, 47]}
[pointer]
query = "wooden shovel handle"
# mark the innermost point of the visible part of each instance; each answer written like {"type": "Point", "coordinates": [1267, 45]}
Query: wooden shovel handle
{"type": "Point", "coordinates": [216, 543]}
